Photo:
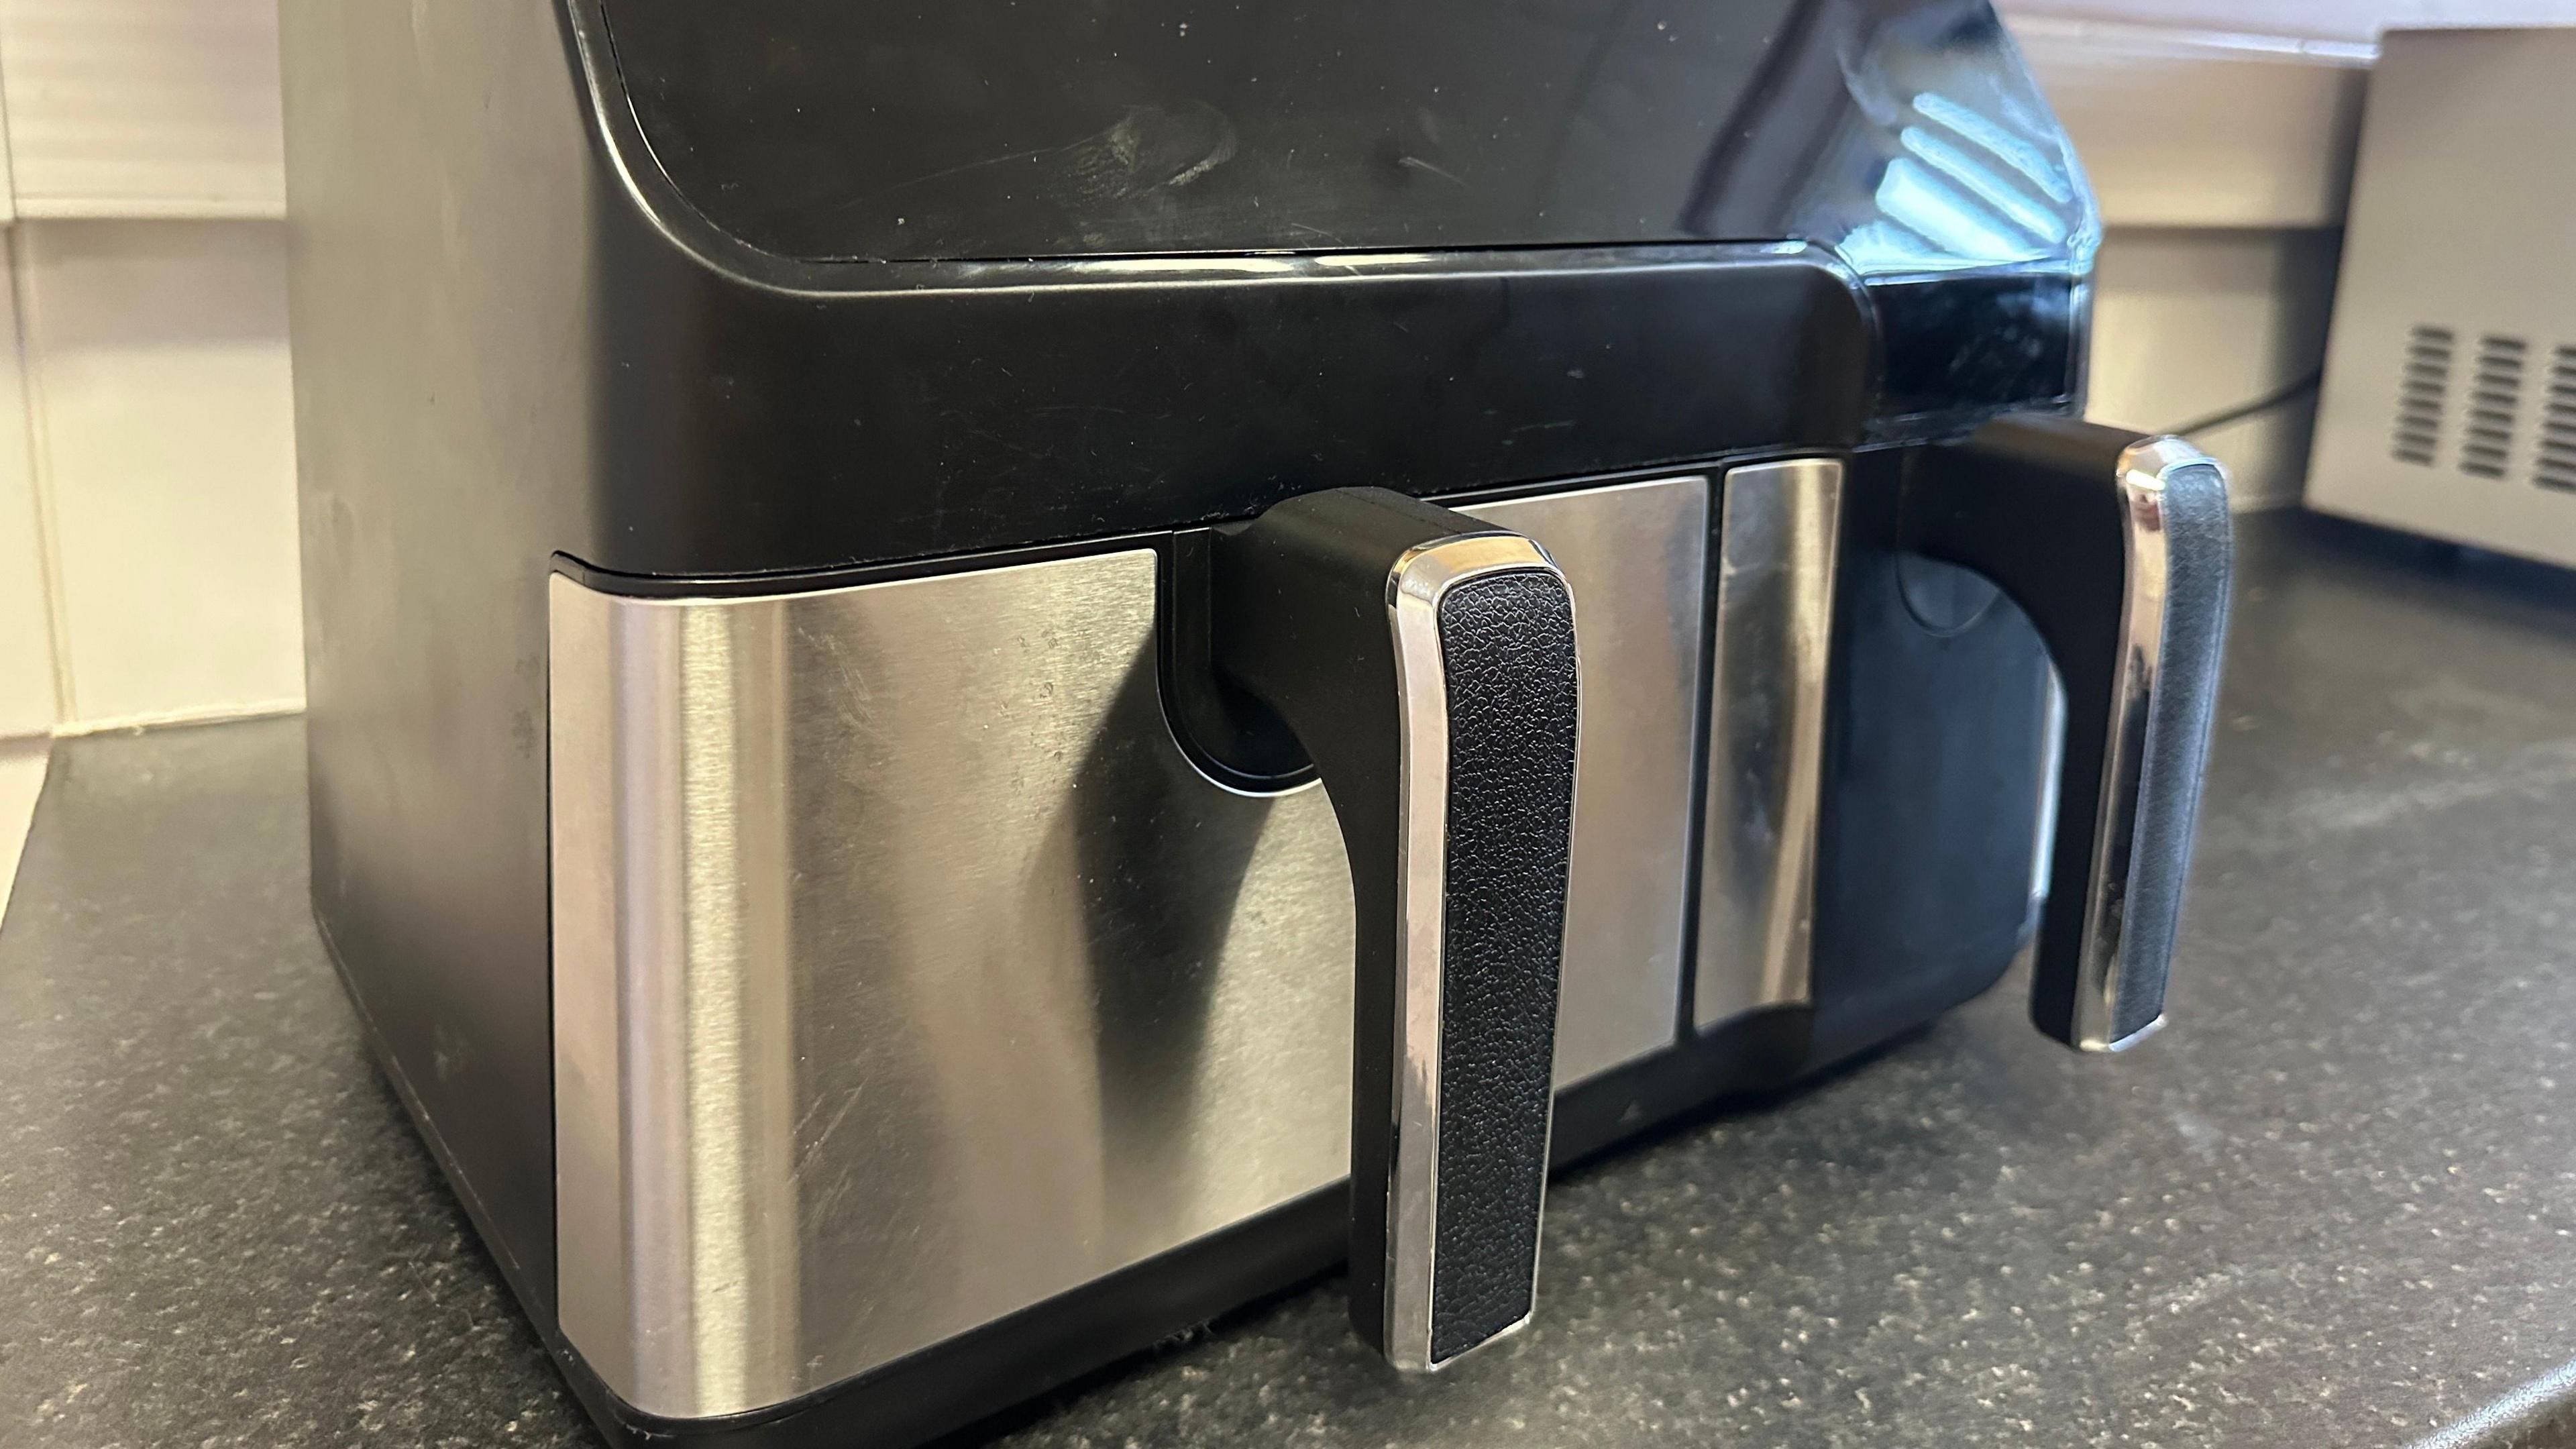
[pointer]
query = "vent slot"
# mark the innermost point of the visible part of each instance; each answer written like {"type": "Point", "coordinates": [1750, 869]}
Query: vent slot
{"type": "Point", "coordinates": [2555, 464]}
{"type": "Point", "coordinates": [2495, 395]}
{"type": "Point", "coordinates": [2423, 395]}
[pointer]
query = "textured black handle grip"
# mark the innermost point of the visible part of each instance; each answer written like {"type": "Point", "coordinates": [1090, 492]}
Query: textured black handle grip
{"type": "Point", "coordinates": [2199, 533]}
{"type": "Point", "coordinates": [1507, 642]}
{"type": "Point", "coordinates": [2117, 546]}
{"type": "Point", "coordinates": [1427, 663]}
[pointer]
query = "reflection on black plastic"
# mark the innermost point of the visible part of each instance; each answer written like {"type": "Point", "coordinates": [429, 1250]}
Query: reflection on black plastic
{"type": "Point", "coordinates": [1904, 133]}
{"type": "Point", "coordinates": [1962, 346]}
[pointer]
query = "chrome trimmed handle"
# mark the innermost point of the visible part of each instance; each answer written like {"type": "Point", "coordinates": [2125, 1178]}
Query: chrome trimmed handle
{"type": "Point", "coordinates": [1426, 662]}
{"type": "Point", "coordinates": [1423, 581]}
{"type": "Point", "coordinates": [2117, 546]}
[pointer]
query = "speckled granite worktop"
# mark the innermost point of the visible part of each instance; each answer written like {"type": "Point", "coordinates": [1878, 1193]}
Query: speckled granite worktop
{"type": "Point", "coordinates": [2332, 1204]}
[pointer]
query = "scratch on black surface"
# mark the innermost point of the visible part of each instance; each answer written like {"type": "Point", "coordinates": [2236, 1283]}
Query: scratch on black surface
{"type": "Point", "coordinates": [1418, 164]}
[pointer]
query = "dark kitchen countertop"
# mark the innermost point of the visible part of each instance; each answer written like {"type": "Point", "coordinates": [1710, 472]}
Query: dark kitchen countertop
{"type": "Point", "coordinates": [2332, 1204]}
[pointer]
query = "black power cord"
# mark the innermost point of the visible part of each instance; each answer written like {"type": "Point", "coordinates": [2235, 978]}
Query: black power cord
{"type": "Point", "coordinates": [2281, 396]}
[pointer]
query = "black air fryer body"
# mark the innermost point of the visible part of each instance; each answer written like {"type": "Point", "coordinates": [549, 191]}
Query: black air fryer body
{"type": "Point", "coordinates": [817, 522]}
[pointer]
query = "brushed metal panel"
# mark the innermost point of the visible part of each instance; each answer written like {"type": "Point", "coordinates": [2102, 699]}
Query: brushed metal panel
{"type": "Point", "coordinates": [1636, 557]}
{"type": "Point", "coordinates": [907, 974]}
{"type": "Point", "coordinates": [1778, 536]}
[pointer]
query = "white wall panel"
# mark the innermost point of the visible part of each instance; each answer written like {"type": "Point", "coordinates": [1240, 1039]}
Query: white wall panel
{"type": "Point", "coordinates": [2324, 19]}
{"type": "Point", "coordinates": [2188, 323]}
{"type": "Point", "coordinates": [157, 365]}
{"type": "Point", "coordinates": [26, 646]}
{"type": "Point", "coordinates": [2179, 128]}
{"type": "Point", "coordinates": [143, 107]}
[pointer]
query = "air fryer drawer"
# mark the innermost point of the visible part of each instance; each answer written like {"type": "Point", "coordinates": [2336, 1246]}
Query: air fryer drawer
{"type": "Point", "coordinates": [906, 972]}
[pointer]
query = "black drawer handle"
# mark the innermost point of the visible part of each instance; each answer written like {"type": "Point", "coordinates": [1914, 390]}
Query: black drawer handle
{"type": "Point", "coordinates": [2117, 546]}
{"type": "Point", "coordinates": [1426, 662]}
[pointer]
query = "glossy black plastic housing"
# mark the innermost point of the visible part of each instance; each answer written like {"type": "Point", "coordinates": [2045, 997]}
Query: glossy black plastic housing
{"type": "Point", "coordinates": [803, 432]}
{"type": "Point", "coordinates": [1898, 131]}
{"type": "Point", "coordinates": [1856, 221]}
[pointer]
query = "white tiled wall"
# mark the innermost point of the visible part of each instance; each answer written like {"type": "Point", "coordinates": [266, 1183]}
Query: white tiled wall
{"type": "Point", "coordinates": [27, 704]}
{"type": "Point", "coordinates": [143, 107]}
{"type": "Point", "coordinates": [157, 374]}
{"type": "Point", "coordinates": [147, 539]}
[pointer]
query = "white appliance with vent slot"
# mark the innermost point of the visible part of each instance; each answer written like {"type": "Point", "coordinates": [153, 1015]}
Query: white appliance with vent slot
{"type": "Point", "coordinates": [2449, 403]}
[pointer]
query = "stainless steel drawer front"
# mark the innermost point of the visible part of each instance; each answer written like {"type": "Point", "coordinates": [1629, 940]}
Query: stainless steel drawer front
{"type": "Point", "coordinates": [1779, 532]}
{"type": "Point", "coordinates": [1636, 558]}
{"type": "Point", "coordinates": [907, 974]}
